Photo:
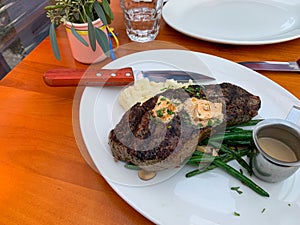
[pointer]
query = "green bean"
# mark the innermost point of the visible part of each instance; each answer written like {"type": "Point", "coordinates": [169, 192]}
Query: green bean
{"type": "Point", "coordinates": [249, 123]}
{"type": "Point", "coordinates": [244, 135]}
{"type": "Point", "coordinates": [198, 153]}
{"type": "Point", "coordinates": [131, 166]}
{"type": "Point", "coordinates": [201, 159]}
{"type": "Point", "coordinates": [234, 129]}
{"type": "Point", "coordinates": [238, 142]}
{"type": "Point", "coordinates": [208, 168]}
{"type": "Point", "coordinates": [246, 124]}
{"type": "Point", "coordinates": [198, 171]}
{"type": "Point", "coordinates": [236, 134]}
{"type": "Point", "coordinates": [238, 158]}
{"type": "Point", "coordinates": [225, 158]}
{"type": "Point", "coordinates": [245, 180]}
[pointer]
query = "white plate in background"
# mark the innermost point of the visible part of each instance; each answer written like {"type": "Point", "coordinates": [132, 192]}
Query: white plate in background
{"type": "Point", "coordinates": [240, 22]}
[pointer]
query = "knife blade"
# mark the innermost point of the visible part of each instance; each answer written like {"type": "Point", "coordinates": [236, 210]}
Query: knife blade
{"type": "Point", "coordinates": [115, 77]}
{"type": "Point", "coordinates": [273, 66]}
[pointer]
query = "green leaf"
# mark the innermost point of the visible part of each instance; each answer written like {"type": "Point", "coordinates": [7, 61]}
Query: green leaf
{"type": "Point", "coordinates": [91, 34]}
{"type": "Point", "coordinates": [102, 41]}
{"type": "Point", "coordinates": [100, 12]}
{"type": "Point", "coordinates": [107, 9]}
{"type": "Point", "coordinates": [79, 37]}
{"type": "Point", "coordinates": [54, 41]}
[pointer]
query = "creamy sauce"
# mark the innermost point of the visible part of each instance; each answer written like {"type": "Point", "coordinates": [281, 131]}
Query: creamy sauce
{"type": "Point", "coordinates": [277, 149]}
{"type": "Point", "coordinates": [146, 175]}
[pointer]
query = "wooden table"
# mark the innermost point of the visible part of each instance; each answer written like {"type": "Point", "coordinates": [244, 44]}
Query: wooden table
{"type": "Point", "coordinates": [44, 179]}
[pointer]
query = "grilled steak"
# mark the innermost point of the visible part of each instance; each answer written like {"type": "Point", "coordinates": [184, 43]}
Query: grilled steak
{"type": "Point", "coordinates": [164, 131]}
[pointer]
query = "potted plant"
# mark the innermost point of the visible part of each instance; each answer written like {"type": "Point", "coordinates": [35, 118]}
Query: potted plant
{"type": "Point", "coordinates": [86, 22]}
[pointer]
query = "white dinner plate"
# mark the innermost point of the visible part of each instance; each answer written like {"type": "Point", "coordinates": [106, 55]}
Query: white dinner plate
{"type": "Point", "coordinates": [241, 22]}
{"type": "Point", "coordinates": [204, 199]}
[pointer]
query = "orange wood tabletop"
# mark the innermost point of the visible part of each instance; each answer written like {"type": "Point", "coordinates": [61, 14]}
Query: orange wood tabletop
{"type": "Point", "coordinates": [44, 179]}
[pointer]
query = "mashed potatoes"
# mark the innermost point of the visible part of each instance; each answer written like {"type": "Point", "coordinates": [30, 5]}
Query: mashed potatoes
{"type": "Point", "coordinates": [144, 89]}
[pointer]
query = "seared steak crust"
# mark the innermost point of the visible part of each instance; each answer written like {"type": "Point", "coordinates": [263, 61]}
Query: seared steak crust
{"type": "Point", "coordinates": [155, 145]}
{"type": "Point", "coordinates": [241, 106]}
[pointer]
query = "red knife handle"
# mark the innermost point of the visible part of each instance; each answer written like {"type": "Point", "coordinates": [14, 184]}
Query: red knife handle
{"type": "Point", "coordinates": [89, 77]}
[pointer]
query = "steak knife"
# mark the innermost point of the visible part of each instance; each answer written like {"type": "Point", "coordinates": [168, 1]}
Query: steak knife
{"type": "Point", "coordinates": [115, 77]}
{"type": "Point", "coordinates": [273, 66]}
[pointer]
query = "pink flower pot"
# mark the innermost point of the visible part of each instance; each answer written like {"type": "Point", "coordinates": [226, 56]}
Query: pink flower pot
{"type": "Point", "coordinates": [80, 52]}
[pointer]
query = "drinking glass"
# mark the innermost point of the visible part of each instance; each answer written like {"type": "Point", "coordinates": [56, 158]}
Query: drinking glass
{"type": "Point", "coordinates": [142, 18]}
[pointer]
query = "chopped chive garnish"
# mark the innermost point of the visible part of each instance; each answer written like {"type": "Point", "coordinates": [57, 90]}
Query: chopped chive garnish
{"type": "Point", "coordinates": [170, 112]}
{"type": "Point", "coordinates": [210, 123]}
{"type": "Point", "coordinates": [236, 189]}
{"type": "Point", "coordinates": [160, 112]}
{"type": "Point", "coordinates": [236, 214]}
